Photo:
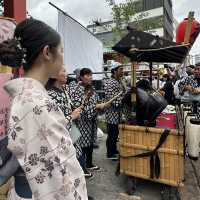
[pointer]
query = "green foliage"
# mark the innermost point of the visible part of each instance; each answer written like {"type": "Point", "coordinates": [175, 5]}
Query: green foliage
{"type": "Point", "coordinates": [148, 23]}
{"type": "Point", "coordinates": [122, 14]}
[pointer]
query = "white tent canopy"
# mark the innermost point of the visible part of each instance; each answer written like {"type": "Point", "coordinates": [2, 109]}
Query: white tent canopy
{"type": "Point", "coordinates": [81, 48]}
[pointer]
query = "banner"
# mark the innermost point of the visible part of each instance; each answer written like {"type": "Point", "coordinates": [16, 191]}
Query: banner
{"type": "Point", "coordinates": [7, 27]}
{"type": "Point", "coordinates": [81, 48]}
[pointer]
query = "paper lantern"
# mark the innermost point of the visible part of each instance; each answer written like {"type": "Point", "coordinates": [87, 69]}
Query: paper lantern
{"type": "Point", "coordinates": [180, 31]}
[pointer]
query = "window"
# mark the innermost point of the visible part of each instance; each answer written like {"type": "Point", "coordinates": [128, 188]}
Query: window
{"type": "Point", "coordinates": [158, 3]}
{"type": "Point", "coordinates": [149, 23]}
{"type": "Point", "coordinates": [138, 6]}
{"type": "Point", "coordinates": [167, 16]}
{"type": "Point", "coordinates": [151, 4]}
{"type": "Point", "coordinates": [167, 35]}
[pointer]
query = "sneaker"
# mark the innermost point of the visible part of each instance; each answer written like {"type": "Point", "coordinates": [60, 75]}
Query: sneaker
{"type": "Point", "coordinates": [88, 174]}
{"type": "Point", "coordinates": [90, 198]}
{"type": "Point", "coordinates": [116, 153]}
{"type": "Point", "coordinates": [93, 167]}
{"type": "Point", "coordinates": [114, 157]}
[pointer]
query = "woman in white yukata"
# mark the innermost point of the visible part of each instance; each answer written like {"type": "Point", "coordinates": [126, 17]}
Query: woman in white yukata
{"type": "Point", "coordinates": [37, 127]}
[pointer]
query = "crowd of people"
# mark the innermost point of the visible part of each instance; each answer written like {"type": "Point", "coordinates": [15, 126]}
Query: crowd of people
{"type": "Point", "coordinates": [174, 85]}
{"type": "Point", "coordinates": [53, 125]}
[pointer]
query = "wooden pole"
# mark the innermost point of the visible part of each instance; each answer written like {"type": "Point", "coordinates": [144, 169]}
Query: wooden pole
{"type": "Point", "coordinates": [15, 9]}
{"type": "Point", "coordinates": [158, 78]}
{"type": "Point", "coordinates": [188, 27]}
{"type": "Point", "coordinates": [151, 72]}
{"type": "Point", "coordinates": [133, 81]}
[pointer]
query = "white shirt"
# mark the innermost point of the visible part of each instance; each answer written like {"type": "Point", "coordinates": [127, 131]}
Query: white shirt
{"type": "Point", "coordinates": [176, 89]}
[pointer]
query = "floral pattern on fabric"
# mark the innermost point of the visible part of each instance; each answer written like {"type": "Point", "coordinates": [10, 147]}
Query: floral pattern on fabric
{"type": "Point", "coordinates": [39, 139]}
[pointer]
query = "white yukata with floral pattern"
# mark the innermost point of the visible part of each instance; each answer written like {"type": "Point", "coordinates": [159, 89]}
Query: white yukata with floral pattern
{"type": "Point", "coordinates": [41, 143]}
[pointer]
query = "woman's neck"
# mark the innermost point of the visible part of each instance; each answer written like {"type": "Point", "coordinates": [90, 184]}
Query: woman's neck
{"type": "Point", "coordinates": [58, 85]}
{"type": "Point", "coordinates": [38, 73]}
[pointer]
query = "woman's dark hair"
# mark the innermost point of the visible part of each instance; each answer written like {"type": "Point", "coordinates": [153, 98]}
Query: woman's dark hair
{"type": "Point", "coordinates": [30, 37]}
{"type": "Point", "coordinates": [166, 76]}
{"type": "Point", "coordinates": [191, 66]}
{"type": "Point", "coordinates": [197, 65]}
{"type": "Point", "coordinates": [50, 83]}
{"type": "Point", "coordinates": [85, 71]}
{"type": "Point", "coordinates": [10, 54]}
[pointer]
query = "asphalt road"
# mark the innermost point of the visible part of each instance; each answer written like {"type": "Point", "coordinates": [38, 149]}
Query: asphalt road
{"type": "Point", "coordinates": [106, 186]}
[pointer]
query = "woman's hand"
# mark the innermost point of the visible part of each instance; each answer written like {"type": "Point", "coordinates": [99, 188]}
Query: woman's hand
{"type": "Point", "coordinates": [107, 104]}
{"type": "Point", "coordinates": [189, 88]}
{"type": "Point", "coordinates": [196, 91]}
{"type": "Point", "coordinates": [76, 113]}
{"type": "Point", "coordinates": [102, 106]}
{"type": "Point", "coordinates": [162, 93]}
{"type": "Point", "coordinates": [192, 90]}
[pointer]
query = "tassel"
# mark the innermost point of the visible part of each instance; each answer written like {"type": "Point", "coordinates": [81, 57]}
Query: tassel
{"type": "Point", "coordinates": [152, 166]}
{"type": "Point", "coordinates": [157, 165]}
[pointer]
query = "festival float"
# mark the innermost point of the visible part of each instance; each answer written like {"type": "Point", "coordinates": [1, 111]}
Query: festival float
{"type": "Point", "coordinates": [153, 147]}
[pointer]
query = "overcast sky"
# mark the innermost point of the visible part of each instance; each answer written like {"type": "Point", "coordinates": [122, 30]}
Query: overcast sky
{"type": "Point", "coordinates": [85, 11]}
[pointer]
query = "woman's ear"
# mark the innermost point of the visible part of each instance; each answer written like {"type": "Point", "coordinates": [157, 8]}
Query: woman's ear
{"type": "Point", "coordinates": [46, 53]}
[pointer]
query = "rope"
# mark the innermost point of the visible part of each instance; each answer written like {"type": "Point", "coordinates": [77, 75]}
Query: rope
{"type": "Point", "coordinates": [157, 49]}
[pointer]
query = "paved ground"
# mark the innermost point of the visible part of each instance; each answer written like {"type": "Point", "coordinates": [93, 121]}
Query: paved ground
{"type": "Point", "coordinates": [106, 186]}
{"type": "Point", "coordinates": [191, 190]}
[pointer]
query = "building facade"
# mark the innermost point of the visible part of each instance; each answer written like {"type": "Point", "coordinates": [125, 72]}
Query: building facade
{"type": "Point", "coordinates": [157, 15]}
{"type": "Point", "coordinates": [197, 58]}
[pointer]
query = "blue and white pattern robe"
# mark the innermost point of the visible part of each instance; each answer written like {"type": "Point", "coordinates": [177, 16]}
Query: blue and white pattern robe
{"type": "Point", "coordinates": [112, 87]}
{"type": "Point", "coordinates": [87, 123]}
{"type": "Point", "coordinates": [59, 95]}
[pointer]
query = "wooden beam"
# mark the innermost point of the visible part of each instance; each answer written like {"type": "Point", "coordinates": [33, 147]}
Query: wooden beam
{"type": "Point", "coordinates": [133, 80]}
{"type": "Point", "coordinates": [15, 9]}
{"type": "Point", "coordinates": [188, 27]}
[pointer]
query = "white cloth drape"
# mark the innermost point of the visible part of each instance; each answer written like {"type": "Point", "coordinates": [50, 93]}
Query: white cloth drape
{"type": "Point", "coordinates": [81, 48]}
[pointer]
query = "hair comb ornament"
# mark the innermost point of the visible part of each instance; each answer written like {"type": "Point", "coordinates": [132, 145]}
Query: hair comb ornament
{"type": "Point", "coordinates": [23, 50]}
